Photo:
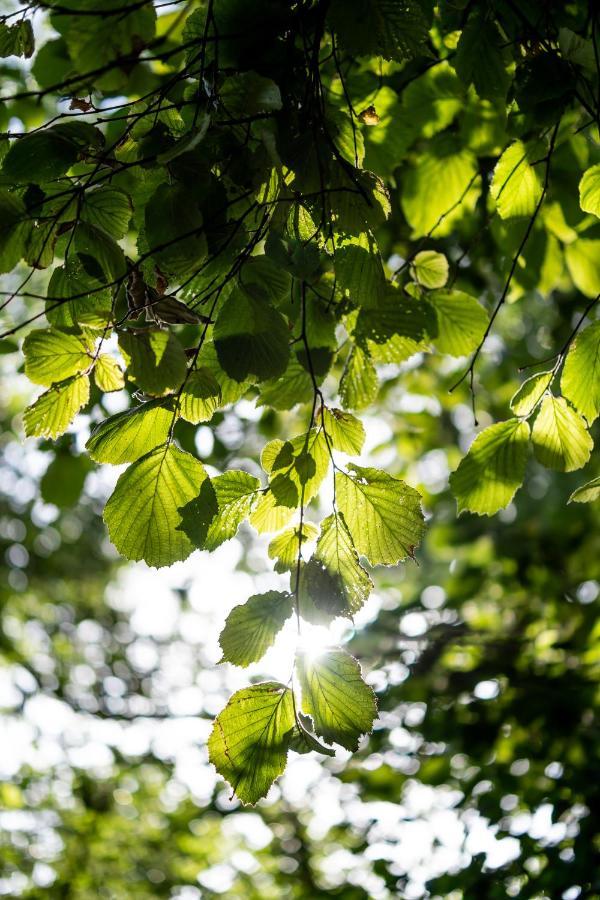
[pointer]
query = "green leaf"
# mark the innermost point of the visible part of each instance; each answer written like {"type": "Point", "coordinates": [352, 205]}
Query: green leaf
{"type": "Point", "coordinates": [359, 271]}
{"type": "Point", "coordinates": [231, 390]}
{"type": "Point", "coordinates": [251, 337]}
{"type": "Point", "coordinates": [334, 578]}
{"type": "Point", "coordinates": [63, 480]}
{"type": "Point", "coordinates": [583, 262]}
{"type": "Point", "coordinates": [346, 433]}
{"type": "Point", "coordinates": [304, 741]}
{"type": "Point", "coordinates": [109, 209]}
{"type": "Point", "coordinates": [251, 628]}
{"type": "Point", "coordinates": [269, 514]}
{"type": "Point", "coordinates": [77, 298]}
{"type": "Point", "coordinates": [493, 469]}
{"type": "Point", "coordinates": [52, 356]}
{"type": "Point", "coordinates": [399, 327]}
{"type": "Point", "coordinates": [335, 696]}
{"type": "Point", "coordinates": [131, 434]}
{"type": "Point", "coordinates": [249, 742]}
{"type": "Point", "coordinates": [108, 374]}
{"type": "Point", "coordinates": [381, 27]}
{"type": "Point", "coordinates": [580, 380]}
{"type": "Point", "coordinates": [358, 385]}
{"type": "Point", "coordinates": [304, 461]}
{"type": "Point", "coordinates": [462, 322]}
{"type": "Point", "coordinates": [383, 514]}
{"type": "Point", "coordinates": [53, 412]}
{"type": "Point", "coordinates": [236, 493]}
{"type": "Point", "coordinates": [587, 492]}
{"type": "Point", "coordinates": [516, 186]}
{"type": "Point", "coordinates": [12, 230]}
{"type": "Point", "coordinates": [44, 155]}
{"type": "Point", "coordinates": [430, 269]}
{"type": "Point", "coordinates": [175, 230]}
{"type": "Point", "coordinates": [143, 512]}
{"type": "Point", "coordinates": [479, 58]}
{"type": "Point", "coordinates": [530, 393]}
{"type": "Point", "coordinates": [155, 360]}
{"type": "Point", "coordinates": [17, 39]}
{"type": "Point", "coordinates": [437, 189]}
{"type": "Point", "coordinates": [200, 397]}
{"type": "Point", "coordinates": [589, 191]}
{"type": "Point", "coordinates": [293, 387]}
{"type": "Point", "coordinates": [285, 547]}
{"type": "Point", "coordinates": [99, 254]}
{"type": "Point", "coordinates": [560, 438]}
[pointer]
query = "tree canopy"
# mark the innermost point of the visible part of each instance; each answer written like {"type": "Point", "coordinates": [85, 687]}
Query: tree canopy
{"type": "Point", "coordinates": [328, 273]}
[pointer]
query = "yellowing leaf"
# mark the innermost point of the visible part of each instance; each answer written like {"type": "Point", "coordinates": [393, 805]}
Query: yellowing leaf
{"type": "Point", "coordinates": [560, 438]}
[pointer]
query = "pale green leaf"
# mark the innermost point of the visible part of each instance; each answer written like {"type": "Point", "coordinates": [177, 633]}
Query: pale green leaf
{"type": "Point", "coordinates": [358, 385]}
{"type": "Point", "coordinates": [52, 356]}
{"type": "Point", "coordinates": [383, 514]}
{"type": "Point", "coordinates": [530, 393]}
{"type": "Point", "coordinates": [346, 433]}
{"type": "Point", "coordinates": [335, 696]}
{"type": "Point", "coordinates": [143, 512]}
{"type": "Point", "coordinates": [437, 190]}
{"type": "Point", "coordinates": [108, 374]}
{"type": "Point", "coordinates": [131, 434]}
{"type": "Point", "coordinates": [269, 514]}
{"type": "Point", "coordinates": [587, 492]}
{"type": "Point", "coordinates": [560, 438]}
{"type": "Point", "coordinates": [251, 628]}
{"type": "Point", "coordinates": [53, 412]}
{"type": "Point", "coordinates": [589, 191]}
{"type": "Point", "coordinates": [359, 270]}
{"type": "Point", "coordinates": [493, 469]}
{"type": "Point", "coordinates": [231, 390]}
{"type": "Point", "coordinates": [285, 547]}
{"type": "Point", "coordinates": [430, 269]}
{"type": "Point", "coordinates": [516, 185]}
{"type": "Point", "coordinates": [249, 742]}
{"type": "Point", "coordinates": [236, 493]}
{"type": "Point", "coordinates": [583, 262]}
{"type": "Point", "coordinates": [201, 397]}
{"type": "Point", "coordinates": [462, 322]}
{"type": "Point", "coordinates": [580, 380]}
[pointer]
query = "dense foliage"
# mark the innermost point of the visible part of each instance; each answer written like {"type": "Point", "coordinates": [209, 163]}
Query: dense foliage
{"type": "Point", "coordinates": [327, 209]}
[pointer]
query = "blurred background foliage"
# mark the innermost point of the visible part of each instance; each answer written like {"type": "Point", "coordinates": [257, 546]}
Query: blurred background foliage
{"type": "Point", "coordinates": [481, 777]}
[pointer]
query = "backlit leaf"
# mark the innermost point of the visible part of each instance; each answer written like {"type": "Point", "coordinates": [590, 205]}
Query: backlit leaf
{"type": "Point", "coordinates": [249, 742]}
{"type": "Point", "coordinates": [252, 627]}
{"type": "Point", "coordinates": [560, 437]}
{"type": "Point", "coordinates": [493, 469]}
